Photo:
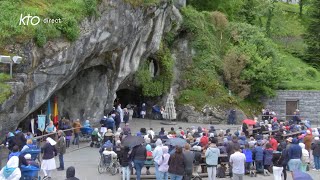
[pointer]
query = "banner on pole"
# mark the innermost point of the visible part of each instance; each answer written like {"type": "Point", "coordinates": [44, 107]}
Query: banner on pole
{"type": "Point", "coordinates": [41, 122]}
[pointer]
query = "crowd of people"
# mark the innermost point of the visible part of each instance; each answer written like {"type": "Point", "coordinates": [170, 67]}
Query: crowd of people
{"type": "Point", "coordinates": [205, 149]}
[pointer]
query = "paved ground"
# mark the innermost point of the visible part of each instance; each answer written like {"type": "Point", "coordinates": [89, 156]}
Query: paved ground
{"type": "Point", "coordinates": [85, 159]}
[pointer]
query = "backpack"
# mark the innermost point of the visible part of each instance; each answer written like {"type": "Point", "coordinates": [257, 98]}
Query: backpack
{"type": "Point", "coordinates": [221, 172]}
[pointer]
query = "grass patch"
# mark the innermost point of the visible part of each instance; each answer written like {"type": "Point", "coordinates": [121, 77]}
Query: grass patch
{"type": "Point", "coordinates": [5, 89]}
{"type": "Point", "coordinates": [71, 12]}
{"type": "Point", "coordinates": [137, 3]}
{"type": "Point", "coordinates": [299, 75]}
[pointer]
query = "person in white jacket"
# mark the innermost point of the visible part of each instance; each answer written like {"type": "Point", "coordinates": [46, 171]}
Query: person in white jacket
{"type": "Point", "coordinates": [11, 171]}
{"type": "Point", "coordinates": [157, 154]}
{"type": "Point", "coordinates": [305, 157]}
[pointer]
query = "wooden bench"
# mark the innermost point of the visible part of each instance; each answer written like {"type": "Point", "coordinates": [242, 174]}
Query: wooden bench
{"type": "Point", "coordinates": [291, 134]}
{"type": "Point", "coordinates": [270, 132]}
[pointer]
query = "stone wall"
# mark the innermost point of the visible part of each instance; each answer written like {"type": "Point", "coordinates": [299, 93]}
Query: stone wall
{"type": "Point", "coordinates": [308, 103]}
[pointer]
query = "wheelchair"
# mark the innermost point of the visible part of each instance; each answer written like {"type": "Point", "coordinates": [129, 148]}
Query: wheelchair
{"type": "Point", "coordinates": [108, 164]}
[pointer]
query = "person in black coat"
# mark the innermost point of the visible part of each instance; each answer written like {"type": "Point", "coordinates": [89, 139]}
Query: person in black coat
{"type": "Point", "coordinates": [70, 173]}
{"type": "Point", "coordinates": [125, 162]}
{"type": "Point", "coordinates": [20, 139]}
{"type": "Point", "coordinates": [48, 162]}
{"type": "Point", "coordinates": [139, 156]}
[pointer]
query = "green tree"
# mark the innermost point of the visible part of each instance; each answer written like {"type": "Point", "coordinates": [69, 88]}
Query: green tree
{"type": "Point", "coordinates": [257, 72]}
{"type": "Point", "coordinates": [249, 12]}
{"type": "Point", "coordinates": [269, 17]}
{"type": "Point", "coordinates": [312, 36]}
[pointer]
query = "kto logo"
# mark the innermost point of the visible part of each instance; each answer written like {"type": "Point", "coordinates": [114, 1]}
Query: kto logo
{"type": "Point", "coordinates": [34, 20]}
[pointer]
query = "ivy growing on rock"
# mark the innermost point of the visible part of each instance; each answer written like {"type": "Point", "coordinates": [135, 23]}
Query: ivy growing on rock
{"type": "Point", "coordinates": [158, 85]}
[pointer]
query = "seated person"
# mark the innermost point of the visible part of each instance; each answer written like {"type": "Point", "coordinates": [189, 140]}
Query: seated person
{"type": "Point", "coordinates": [95, 137]}
{"type": "Point", "coordinates": [87, 124]}
{"type": "Point", "coordinates": [29, 145]}
{"type": "Point", "coordinates": [105, 146]}
{"type": "Point", "coordinates": [29, 161]}
{"type": "Point", "coordinates": [108, 136]}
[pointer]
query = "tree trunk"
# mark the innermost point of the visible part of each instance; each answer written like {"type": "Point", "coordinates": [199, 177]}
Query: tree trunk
{"type": "Point", "coordinates": [300, 7]}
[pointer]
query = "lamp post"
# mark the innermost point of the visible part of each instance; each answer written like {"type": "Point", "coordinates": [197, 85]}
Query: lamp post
{"type": "Point", "coordinates": [8, 60]}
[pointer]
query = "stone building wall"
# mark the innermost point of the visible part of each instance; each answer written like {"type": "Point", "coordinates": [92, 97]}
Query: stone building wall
{"type": "Point", "coordinates": [308, 103]}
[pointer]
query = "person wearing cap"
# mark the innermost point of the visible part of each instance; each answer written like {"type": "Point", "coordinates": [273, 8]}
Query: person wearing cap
{"type": "Point", "coordinates": [294, 155]}
{"type": "Point", "coordinates": [29, 161]}
{"type": "Point", "coordinates": [316, 153]}
{"type": "Point", "coordinates": [307, 140]}
{"type": "Point", "coordinates": [48, 163]}
{"type": "Point", "coordinates": [61, 149]}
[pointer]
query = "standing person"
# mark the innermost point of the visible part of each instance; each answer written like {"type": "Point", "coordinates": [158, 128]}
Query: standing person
{"type": "Point", "coordinates": [212, 154]}
{"type": "Point", "coordinates": [157, 155]}
{"type": "Point", "coordinates": [232, 117]}
{"type": "Point", "coordinates": [316, 153]}
{"type": "Point", "coordinates": [163, 164]}
{"type": "Point", "coordinates": [76, 131]}
{"type": "Point", "coordinates": [120, 111]}
{"type": "Point", "coordinates": [48, 163]}
{"type": "Point", "coordinates": [130, 111]}
{"type": "Point", "coordinates": [307, 140]}
{"type": "Point", "coordinates": [124, 162]}
{"type": "Point", "coordinates": [110, 123]}
{"type": "Point", "coordinates": [231, 149]}
{"type": "Point", "coordinates": [273, 142]}
{"type": "Point", "coordinates": [143, 110]}
{"type": "Point", "coordinates": [237, 161]}
{"type": "Point", "coordinates": [68, 133]}
{"type": "Point", "coordinates": [20, 139]}
{"type": "Point", "coordinates": [11, 171]}
{"type": "Point", "coordinates": [277, 160]}
{"type": "Point", "coordinates": [176, 165]}
{"type": "Point", "coordinates": [305, 160]}
{"type": "Point", "coordinates": [294, 155]}
{"type": "Point", "coordinates": [51, 129]}
{"type": "Point", "coordinates": [248, 153]}
{"type": "Point", "coordinates": [139, 156]}
{"type": "Point", "coordinates": [188, 157]}
{"type": "Point", "coordinates": [117, 120]}
{"type": "Point", "coordinates": [61, 149]}
{"type": "Point", "coordinates": [126, 115]}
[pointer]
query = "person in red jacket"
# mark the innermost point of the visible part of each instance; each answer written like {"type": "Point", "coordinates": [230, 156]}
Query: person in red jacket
{"type": "Point", "coordinates": [273, 142]}
{"type": "Point", "coordinates": [204, 140]}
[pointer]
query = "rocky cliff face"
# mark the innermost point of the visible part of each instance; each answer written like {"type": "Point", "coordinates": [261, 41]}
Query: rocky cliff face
{"type": "Point", "coordinates": [86, 74]}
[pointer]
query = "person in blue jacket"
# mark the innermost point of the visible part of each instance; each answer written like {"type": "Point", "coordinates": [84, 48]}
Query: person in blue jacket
{"type": "Point", "coordinates": [294, 155]}
{"type": "Point", "coordinates": [258, 156]}
{"type": "Point", "coordinates": [248, 153]}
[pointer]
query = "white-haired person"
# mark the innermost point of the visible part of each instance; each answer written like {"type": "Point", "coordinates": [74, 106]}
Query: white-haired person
{"type": "Point", "coordinates": [48, 162]}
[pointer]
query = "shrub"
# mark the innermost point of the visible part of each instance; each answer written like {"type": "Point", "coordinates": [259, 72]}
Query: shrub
{"type": "Point", "coordinates": [40, 38]}
{"type": "Point", "coordinates": [311, 72]}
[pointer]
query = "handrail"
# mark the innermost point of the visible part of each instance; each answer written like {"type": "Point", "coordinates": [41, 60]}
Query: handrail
{"type": "Point", "coordinates": [55, 133]}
